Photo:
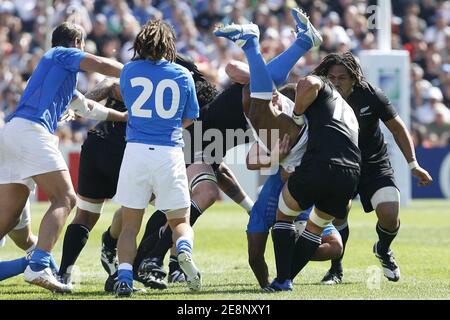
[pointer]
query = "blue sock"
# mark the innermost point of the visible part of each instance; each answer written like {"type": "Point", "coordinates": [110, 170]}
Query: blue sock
{"type": "Point", "coordinates": [40, 260]}
{"type": "Point", "coordinates": [280, 66]}
{"type": "Point", "coordinates": [184, 245]}
{"type": "Point", "coordinates": [125, 273]}
{"type": "Point", "coordinates": [12, 268]}
{"type": "Point", "coordinates": [53, 265]}
{"type": "Point", "coordinates": [260, 80]}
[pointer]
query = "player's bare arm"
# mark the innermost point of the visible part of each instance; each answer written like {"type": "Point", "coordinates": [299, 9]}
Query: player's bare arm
{"type": "Point", "coordinates": [307, 91]}
{"type": "Point", "coordinates": [238, 72]}
{"type": "Point", "coordinates": [93, 110]}
{"type": "Point", "coordinates": [108, 67]}
{"type": "Point", "coordinates": [257, 158]}
{"type": "Point", "coordinates": [405, 143]}
{"type": "Point", "coordinates": [187, 122]}
{"type": "Point", "coordinates": [109, 87]}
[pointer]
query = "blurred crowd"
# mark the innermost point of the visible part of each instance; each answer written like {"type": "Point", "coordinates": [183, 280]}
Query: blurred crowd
{"type": "Point", "coordinates": [421, 27]}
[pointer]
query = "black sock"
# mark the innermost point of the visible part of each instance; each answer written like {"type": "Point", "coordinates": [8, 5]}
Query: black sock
{"type": "Point", "coordinates": [344, 231]}
{"type": "Point", "coordinates": [156, 221]}
{"type": "Point", "coordinates": [173, 264]}
{"type": "Point", "coordinates": [195, 213]}
{"type": "Point", "coordinates": [108, 240]}
{"type": "Point", "coordinates": [283, 237]}
{"type": "Point", "coordinates": [154, 246]}
{"type": "Point", "coordinates": [165, 243]}
{"type": "Point", "coordinates": [304, 250]}
{"type": "Point", "coordinates": [74, 241]}
{"type": "Point", "coordinates": [150, 238]}
{"type": "Point", "coordinates": [386, 238]}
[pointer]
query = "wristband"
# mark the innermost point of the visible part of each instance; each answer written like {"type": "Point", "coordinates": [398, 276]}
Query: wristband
{"type": "Point", "coordinates": [298, 119]}
{"type": "Point", "coordinates": [413, 165]}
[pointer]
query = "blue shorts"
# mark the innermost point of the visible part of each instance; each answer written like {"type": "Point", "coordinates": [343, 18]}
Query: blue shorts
{"type": "Point", "coordinates": [264, 211]}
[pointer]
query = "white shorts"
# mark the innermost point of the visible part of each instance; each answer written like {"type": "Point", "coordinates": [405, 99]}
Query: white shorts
{"type": "Point", "coordinates": [148, 169]}
{"type": "Point", "coordinates": [25, 217]}
{"type": "Point", "coordinates": [26, 150]}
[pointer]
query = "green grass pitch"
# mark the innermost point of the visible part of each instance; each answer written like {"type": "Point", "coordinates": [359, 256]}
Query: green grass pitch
{"type": "Point", "coordinates": [422, 249]}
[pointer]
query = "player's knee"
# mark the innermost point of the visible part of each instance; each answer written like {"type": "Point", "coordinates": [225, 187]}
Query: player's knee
{"type": "Point", "coordinates": [207, 189]}
{"type": "Point", "coordinates": [71, 200]}
{"type": "Point", "coordinates": [67, 201]}
{"type": "Point", "coordinates": [211, 194]}
{"type": "Point", "coordinates": [388, 215]}
{"type": "Point", "coordinates": [389, 222]}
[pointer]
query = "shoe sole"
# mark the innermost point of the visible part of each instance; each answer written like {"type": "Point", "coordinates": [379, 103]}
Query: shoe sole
{"type": "Point", "coordinates": [317, 38]}
{"type": "Point", "coordinates": [237, 37]}
{"type": "Point", "coordinates": [193, 276]}
{"type": "Point", "coordinates": [48, 285]}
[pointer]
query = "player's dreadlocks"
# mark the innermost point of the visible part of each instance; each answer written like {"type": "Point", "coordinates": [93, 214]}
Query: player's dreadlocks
{"type": "Point", "coordinates": [206, 92]}
{"type": "Point", "coordinates": [345, 59]}
{"type": "Point", "coordinates": [155, 41]}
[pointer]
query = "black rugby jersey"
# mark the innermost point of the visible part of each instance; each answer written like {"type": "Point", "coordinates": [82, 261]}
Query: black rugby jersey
{"type": "Point", "coordinates": [333, 130]}
{"type": "Point", "coordinates": [111, 131]}
{"type": "Point", "coordinates": [224, 113]}
{"type": "Point", "coordinates": [371, 105]}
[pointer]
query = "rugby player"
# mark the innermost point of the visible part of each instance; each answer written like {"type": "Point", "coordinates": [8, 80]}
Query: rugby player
{"type": "Point", "coordinates": [377, 188]}
{"type": "Point", "coordinates": [29, 152]}
{"type": "Point", "coordinates": [153, 161]}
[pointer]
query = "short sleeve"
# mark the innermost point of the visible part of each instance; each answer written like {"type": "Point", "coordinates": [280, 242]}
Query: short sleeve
{"type": "Point", "coordinates": [69, 58]}
{"type": "Point", "coordinates": [384, 107]}
{"type": "Point", "coordinates": [191, 110]}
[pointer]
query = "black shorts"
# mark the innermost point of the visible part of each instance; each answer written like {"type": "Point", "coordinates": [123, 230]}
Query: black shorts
{"type": "Point", "coordinates": [373, 178]}
{"type": "Point", "coordinates": [100, 163]}
{"type": "Point", "coordinates": [327, 186]}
